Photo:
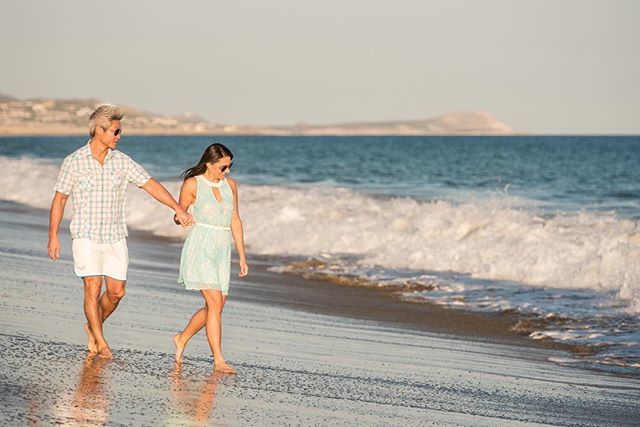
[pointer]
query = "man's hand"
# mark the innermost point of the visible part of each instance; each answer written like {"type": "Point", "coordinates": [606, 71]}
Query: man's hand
{"type": "Point", "coordinates": [54, 248]}
{"type": "Point", "coordinates": [183, 217]}
{"type": "Point", "coordinates": [55, 216]}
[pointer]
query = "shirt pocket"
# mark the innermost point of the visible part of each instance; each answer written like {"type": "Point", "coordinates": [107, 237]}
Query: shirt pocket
{"type": "Point", "coordinates": [86, 182]}
{"type": "Point", "coordinates": [116, 179]}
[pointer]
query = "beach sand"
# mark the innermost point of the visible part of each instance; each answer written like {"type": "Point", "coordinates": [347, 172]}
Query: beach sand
{"type": "Point", "coordinates": [307, 353]}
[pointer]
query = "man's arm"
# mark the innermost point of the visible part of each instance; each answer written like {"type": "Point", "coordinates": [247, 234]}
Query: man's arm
{"type": "Point", "coordinates": [161, 194]}
{"type": "Point", "coordinates": [55, 217]}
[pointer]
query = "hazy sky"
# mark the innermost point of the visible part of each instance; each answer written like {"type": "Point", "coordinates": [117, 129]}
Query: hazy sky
{"type": "Point", "coordinates": [540, 66]}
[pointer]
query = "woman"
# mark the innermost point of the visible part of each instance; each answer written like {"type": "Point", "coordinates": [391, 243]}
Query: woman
{"type": "Point", "coordinates": [206, 254]}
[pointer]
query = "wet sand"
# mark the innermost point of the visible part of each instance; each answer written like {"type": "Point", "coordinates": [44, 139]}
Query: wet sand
{"type": "Point", "coordinates": [379, 304]}
{"type": "Point", "coordinates": [307, 352]}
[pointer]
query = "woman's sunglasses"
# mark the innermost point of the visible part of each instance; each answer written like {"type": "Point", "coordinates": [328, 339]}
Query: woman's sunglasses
{"type": "Point", "coordinates": [225, 167]}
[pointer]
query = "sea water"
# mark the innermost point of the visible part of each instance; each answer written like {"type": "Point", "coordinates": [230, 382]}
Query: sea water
{"type": "Point", "coordinates": [542, 228]}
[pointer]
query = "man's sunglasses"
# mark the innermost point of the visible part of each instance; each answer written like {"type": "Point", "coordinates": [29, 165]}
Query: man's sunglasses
{"type": "Point", "coordinates": [225, 167]}
{"type": "Point", "coordinates": [116, 132]}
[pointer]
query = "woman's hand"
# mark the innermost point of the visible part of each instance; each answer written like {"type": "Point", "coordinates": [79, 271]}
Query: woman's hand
{"type": "Point", "coordinates": [177, 221]}
{"type": "Point", "coordinates": [182, 217]}
{"type": "Point", "coordinates": [244, 268]}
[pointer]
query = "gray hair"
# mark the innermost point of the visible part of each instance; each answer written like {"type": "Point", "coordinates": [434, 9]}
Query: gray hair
{"type": "Point", "coordinates": [103, 116]}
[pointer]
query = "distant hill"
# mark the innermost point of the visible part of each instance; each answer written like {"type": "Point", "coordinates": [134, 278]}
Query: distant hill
{"type": "Point", "coordinates": [6, 98]}
{"type": "Point", "coordinates": [43, 116]}
{"type": "Point", "coordinates": [472, 123]}
{"type": "Point", "coordinates": [70, 116]}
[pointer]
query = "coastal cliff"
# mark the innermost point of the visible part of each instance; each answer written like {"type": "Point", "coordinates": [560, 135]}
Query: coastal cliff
{"type": "Point", "coordinates": [44, 116]}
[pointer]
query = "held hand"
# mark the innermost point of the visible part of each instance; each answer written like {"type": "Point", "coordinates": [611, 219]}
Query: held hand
{"type": "Point", "coordinates": [183, 218]}
{"type": "Point", "coordinates": [54, 248]}
{"type": "Point", "coordinates": [244, 268]}
{"type": "Point", "coordinates": [190, 221]}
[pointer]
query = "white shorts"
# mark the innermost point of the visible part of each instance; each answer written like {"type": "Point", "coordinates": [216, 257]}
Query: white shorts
{"type": "Point", "coordinates": [100, 259]}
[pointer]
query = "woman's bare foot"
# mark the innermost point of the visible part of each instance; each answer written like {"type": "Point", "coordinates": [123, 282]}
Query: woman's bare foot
{"type": "Point", "coordinates": [91, 340]}
{"type": "Point", "coordinates": [179, 347]}
{"type": "Point", "coordinates": [224, 368]}
{"type": "Point", "coordinates": [105, 353]}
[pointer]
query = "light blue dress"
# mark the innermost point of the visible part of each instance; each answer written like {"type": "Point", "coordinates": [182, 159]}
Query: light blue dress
{"type": "Point", "coordinates": [206, 255]}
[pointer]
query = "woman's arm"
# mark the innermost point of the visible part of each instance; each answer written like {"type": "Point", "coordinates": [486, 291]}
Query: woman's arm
{"type": "Point", "coordinates": [187, 196]}
{"type": "Point", "coordinates": [236, 229]}
{"type": "Point", "coordinates": [162, 195]}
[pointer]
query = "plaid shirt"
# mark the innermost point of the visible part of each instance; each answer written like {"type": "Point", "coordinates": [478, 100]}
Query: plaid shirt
{"type": "Point", "coordinates": [98, 193]}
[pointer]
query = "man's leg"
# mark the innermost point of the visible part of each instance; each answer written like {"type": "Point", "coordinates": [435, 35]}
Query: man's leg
{"type": "Point", "coordinates": [112, 296]}
{"type": "Point", "coordinates": [108, 303]}
{"type": "Point", "coordinates": [115, 260]}
{"type": "Point", "coordinates": [93, 312]}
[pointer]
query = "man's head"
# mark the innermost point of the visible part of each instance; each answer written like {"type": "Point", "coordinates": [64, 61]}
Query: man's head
{"type": "Point", "coordinates": [104, 124]}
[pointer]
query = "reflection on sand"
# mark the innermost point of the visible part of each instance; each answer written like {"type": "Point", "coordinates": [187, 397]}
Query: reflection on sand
{"type": "Point", "coordinates": [89, 405]}
{"type": "Point", "coordinates": [192, 402]}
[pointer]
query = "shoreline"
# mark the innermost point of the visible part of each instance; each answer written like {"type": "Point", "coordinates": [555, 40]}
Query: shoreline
{"type": "Point", "coordinates": [380, 304]}
{"type": "Point", "coordinates": [300, 360]}
{"type": "Point", "coordinates": [385, 305]}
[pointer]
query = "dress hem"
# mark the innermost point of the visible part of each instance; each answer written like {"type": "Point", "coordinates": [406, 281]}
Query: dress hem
{"type": "Point", "coordinates": [212, 288]}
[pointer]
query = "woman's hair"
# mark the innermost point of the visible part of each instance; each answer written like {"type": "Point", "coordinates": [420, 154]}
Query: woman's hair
{"type": "Point", "coordinates": [103, 117]}
{"type": "Point", "coordinates": [211, 154]}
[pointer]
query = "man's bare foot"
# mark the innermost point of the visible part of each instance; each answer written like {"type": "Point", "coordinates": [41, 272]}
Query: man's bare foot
{"type": "Point", "coordinates": [224, 368]}
{"type": "Point", "coordinates": [105, 353]}
{"type": "Point", "coordinates": [179, 347]}
{"type": "Point", "coordinates": [91, 340]}
{"type": "Point", "coordinates": [90, 357]}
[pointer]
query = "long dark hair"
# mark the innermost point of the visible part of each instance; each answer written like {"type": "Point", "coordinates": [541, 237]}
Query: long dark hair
{"type": "Point", "coordinates": [211, 154]}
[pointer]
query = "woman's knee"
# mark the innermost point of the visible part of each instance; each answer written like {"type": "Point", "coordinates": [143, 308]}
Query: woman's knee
{"type": "Point", "coordinates": [213, 301]}
{"type": "Point", "coordinates": [214, 306]}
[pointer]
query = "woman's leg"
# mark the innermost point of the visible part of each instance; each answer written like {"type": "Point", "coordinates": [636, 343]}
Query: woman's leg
{"type": "Point", "coordinates": [215, 303]}
{"type": "Point", "coordinates": [196, 323]}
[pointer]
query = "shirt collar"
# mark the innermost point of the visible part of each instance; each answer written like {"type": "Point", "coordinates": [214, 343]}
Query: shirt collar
{"type": "Point", "coordinates": [87, 151]}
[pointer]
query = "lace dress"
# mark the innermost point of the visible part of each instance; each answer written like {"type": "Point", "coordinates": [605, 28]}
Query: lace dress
{"type": "Point", "coordinates": [206, 255]}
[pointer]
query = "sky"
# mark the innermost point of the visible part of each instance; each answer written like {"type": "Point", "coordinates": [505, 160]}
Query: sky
{"type": "Point", "coordinates": [540, 66]}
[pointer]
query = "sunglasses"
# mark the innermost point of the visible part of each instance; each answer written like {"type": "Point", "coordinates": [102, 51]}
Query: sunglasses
{"type": "Point", "coordinates": [225, 167]}
{"type": "Point", "coordinates": [115, 132]}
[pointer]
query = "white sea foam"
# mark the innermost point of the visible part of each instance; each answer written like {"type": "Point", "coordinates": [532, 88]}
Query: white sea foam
{"type": "Point", "coordinates": [486, 239]}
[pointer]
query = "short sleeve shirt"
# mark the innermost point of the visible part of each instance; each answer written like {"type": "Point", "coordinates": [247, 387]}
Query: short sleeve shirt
{"type": "Point", "coordinates": [98, 193]}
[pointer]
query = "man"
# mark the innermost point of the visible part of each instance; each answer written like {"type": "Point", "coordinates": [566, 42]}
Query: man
{"type": "Point", "coordinates": [96, 177]}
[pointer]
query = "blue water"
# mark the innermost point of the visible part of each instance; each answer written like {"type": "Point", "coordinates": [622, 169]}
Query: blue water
{"type": "Point", "coordinates": [568, 173]}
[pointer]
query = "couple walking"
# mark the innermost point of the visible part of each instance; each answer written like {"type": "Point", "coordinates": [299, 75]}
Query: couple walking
{"type": "Point", "coordinates": [96, 176]}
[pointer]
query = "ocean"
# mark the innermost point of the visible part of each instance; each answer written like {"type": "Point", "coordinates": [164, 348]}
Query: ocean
{"type": "Point", "coordinates": [543, 229]}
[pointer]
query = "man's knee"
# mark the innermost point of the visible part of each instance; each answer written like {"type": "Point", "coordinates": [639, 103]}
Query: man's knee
{"type": "Point", "coordinates": [115, 289]}
{"type": "Point", "coordinates": [115, 294]}
{"type": "Point", "coordinates": [92, 287]}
